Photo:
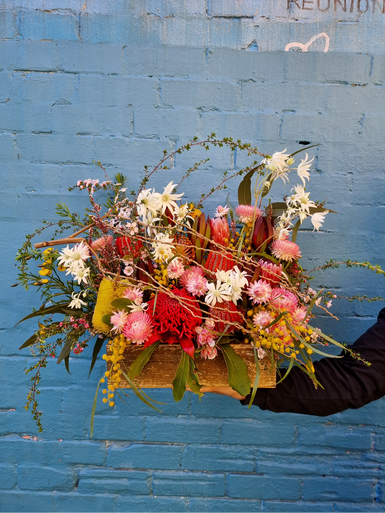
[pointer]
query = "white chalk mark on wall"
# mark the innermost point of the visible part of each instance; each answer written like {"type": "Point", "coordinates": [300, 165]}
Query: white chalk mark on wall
{"type": "Point", "coordinates": [305, 47]}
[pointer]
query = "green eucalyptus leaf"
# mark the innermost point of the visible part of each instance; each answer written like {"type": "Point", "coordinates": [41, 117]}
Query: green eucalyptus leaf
{"type": "Point", "coordinates": [295, 230]}
{"type": "Point", "coordinates": [29, 342]}
{"type": "Point", "coordinates": [66, 349]}
{"type": "Point", "coordinates": [237, 370]}
{"type": "Point", "coordinates": [49, 310]}
{"type": "Point", "coordinates": [137, 366]}
{"type": "Point", "coordinates": [181, 377]}
{"type": "Point", "coordinates": [122, 303]}
{"type": "Point", "coordinates": [244, 189]}
{"type": "Point", "coordinates": [97, 347]}
{"type": "Point", "coordinates": [107, 319]}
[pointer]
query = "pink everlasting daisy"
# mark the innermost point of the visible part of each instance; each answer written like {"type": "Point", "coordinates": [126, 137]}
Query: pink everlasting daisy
{"type": "Point", "coordinates": [118, 320]}
{"type": "Point", "coordinates": [135, 294]}
{"type": "Point", "coordinates": [193, 270]}
{"type": "Point", "coordinates": [102, 243]}
{"type": "Point", "coordinates": [222, 211]}
{"type": "Point", "coordinates": [259, 291]}
{"type": "Point", "coordinates": [283, 299]}
{"type": "Point", "coordinates": [262, 319]}
{"type": "Point", "coordinates": [175, 269]}
{"type": "Point", "coordinates": [138, 327]}
{"type": "Point", "coordinates": [196, 285]}
{"type": "Point", "coordinates": [285, 250]}
{"type": "Point", "coordinates": [270, 272]}
{"type": "Point", "coordinates": [247, 213]}
{"type": "Point", "coordinates": [299, 313]}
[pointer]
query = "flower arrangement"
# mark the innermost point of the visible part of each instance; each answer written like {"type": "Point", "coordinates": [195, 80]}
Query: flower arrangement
{"type": "Point", "coordinates": [156, 269]}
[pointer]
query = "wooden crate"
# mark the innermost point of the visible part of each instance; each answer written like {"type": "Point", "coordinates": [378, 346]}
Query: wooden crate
{"type": "Point", "coordinates": [160, 371]}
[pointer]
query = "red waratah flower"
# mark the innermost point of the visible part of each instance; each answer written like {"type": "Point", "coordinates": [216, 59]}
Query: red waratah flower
{"type": "Point", "coordinates": [270, 272]}
{"type": "Point", "coordinates": [220, 231]}
{"type": "Point", "coordinates": [223, 315]}
{"type": "Point", "coordinates": [283, 299]}
{"type": "Point", "coordinates": [285, 250]}
{"type": "Point", "coordinates": [175, 319]}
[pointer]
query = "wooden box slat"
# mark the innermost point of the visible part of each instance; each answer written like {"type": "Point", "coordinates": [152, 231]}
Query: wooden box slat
{"type": "Point", "coordinates": [160, 371]}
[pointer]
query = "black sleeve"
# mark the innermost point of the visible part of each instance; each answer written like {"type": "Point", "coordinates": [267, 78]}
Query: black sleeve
{"type": "Point", "coordinates": [347, 382]}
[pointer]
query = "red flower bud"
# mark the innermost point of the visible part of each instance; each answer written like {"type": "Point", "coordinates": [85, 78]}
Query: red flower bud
{"type": "Point", "coordinates": [125, 246]}
{"type": "Point", "coordinates": [263, 231]}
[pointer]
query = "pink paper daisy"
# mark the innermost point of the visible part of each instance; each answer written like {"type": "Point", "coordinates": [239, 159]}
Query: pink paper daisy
{"type": "Point", "coordinates": [285, 250]}
{"type": "Point", "coordinates": [138, 327]}
{"type": "Point", "coordinates": [103, 242]}
{"type": "Point", "coordinates": [259, 292]}
{"type": "Point", "coordinates": [175, 269]}
{"type": "Point", "coordinates": [262, 319]}
{"type": "Point", "coordinates": [299, 313]}
{"type": "Point", "coordinates": [270, 272]}
{"type": "Point", "coordinates": [196, 285]}
{"type": "Point", "coordinates": [135, 294]}
{"type": "Point", "coordinates": [118, 320]}
{"type": "Point", "coordinates": [283, 299]}
{"type": "Point", "coordinates": [193, 270]}
{"type": "Point", "coordinates": [246, 213]}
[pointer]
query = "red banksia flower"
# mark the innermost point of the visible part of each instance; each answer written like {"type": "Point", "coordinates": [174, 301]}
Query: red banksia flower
{"type": "Point", "coordinates": [126, 246]}
{"type": "Point", "coordinates": [217, 261]}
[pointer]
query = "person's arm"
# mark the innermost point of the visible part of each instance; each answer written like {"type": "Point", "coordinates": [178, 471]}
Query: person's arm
{"type": "Point", "coordinates": [347, 383]}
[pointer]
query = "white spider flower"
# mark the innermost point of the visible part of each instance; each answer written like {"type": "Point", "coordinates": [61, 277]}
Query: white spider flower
{"type": "Point", "coordinates": [218, 292]}
{"type": "Point", "coordinates": [303, 169]}
{"type": "Point", "coordinates": [76, 301]}
{"type": "Point", "coordinates": [167, 199]}
{"type": "Point", "coordinates": [318, 218]}
{"type": "Point", "coordinates": [147, 203]}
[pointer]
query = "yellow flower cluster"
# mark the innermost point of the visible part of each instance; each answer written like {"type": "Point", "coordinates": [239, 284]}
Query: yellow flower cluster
{"type": "Point", "coordinates": [108, 291]}
{"type": "Point", "coordinates": [279, 338]}
{"type": "Point", "coordinates": [117, 347]}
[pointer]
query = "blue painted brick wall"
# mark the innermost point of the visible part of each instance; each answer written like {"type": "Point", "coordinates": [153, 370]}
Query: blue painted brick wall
{"type": "Point", "coordinates": [120, 81]}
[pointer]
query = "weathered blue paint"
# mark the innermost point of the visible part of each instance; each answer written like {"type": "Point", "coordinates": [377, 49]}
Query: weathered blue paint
{"type": "Point", "coordinates": [118, 82]}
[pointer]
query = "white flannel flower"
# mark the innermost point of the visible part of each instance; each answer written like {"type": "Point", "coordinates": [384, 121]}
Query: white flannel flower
{"type": "Point", "coordinates": [167, 199]}
{"type": "Point", "coordinates": [147, 203]}
{"type": "Point", "coordinates": [301, 200]}
{"type": "Point", "coordinates": [238, 282]}
{"type": "Point", "coordinates": [75, 256]}
{"type": "Point", "coordinates": [180, 213]}
{"type": "Point", "coordinates": [163, 249]}
{"type": "Point", "coordinates": [318, 218]}
{"type": "Point", "coordinates": [76, 301]}
{"type": "Point", "coordinates": [278, 165]}
{"type": "Point", "coordinates": [81, 274]}
{"type": "Point", "coordinates": [218, 292]}
{"type": "Point", "coordinates": [303, 169]}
